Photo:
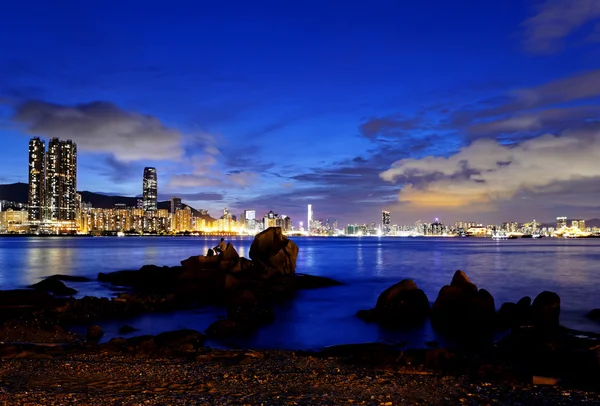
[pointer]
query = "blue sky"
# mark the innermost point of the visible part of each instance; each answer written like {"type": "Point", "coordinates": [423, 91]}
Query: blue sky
{"type": "Point", "coordinates": [478, 111]}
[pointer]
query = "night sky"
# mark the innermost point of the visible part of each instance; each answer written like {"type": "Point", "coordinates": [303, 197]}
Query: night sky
{"type": "Point", "coordinates": [474, 110]}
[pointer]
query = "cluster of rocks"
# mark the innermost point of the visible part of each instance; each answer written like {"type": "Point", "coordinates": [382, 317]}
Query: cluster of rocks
{"type": "Point", "coordinates": [534, 344]}
{"type": "Point", "coordinates": [461, 309]}
{"type": "Point", "coordinates": [246, 287]}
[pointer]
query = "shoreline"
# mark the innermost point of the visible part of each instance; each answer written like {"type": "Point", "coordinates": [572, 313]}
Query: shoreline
{"type": "Point", "coordinates": [206, 376]}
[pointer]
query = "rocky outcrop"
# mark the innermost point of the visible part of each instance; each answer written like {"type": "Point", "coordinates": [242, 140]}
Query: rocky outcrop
{"type": "Point", "coordinates": [94, 333]}
{"type": "Point", "coordinates": [462, 309]}
{"type": "Point", "coordinates": [545, 311]}
{"type": "Point", "coordinates": [594, 314]}
{"type": "Point", "coordinates": [55, 286]}
{"type": "Point", "coordinates": [273, 253]}
{"type": "Point", "coordinates": [402, 304]}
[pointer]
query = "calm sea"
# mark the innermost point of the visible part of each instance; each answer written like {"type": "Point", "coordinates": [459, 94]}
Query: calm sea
{"type": "Point", "coordinates": [508, 269]}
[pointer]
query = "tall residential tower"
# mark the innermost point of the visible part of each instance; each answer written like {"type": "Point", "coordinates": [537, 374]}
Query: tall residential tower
{"type": "Point", "coordinates": [61, 180]}
{"type": "Point", "coordinates": [37, 179]}
{"type": "Point", "coordinates": [150, 191]}
{"type": "Point", "coordinates": [310, 219]}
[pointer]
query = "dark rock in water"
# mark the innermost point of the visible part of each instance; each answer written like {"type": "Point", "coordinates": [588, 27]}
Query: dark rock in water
{"type": "Point", "coordinates": [304, 281]}
{"type": "Point", "coordinates": [227, 328]}
{"type": "Point", "coordinates": [545, 311]}
{"type": "Point", "coordinates": [126, 329]}
{"type": "Point", "coordinates": [25, 297]}
{"type": "Point", "coordinates": [460, 280]}
{"type": "Point", "coordinates": [175, 339]}
{"type": "Point", "coordinates": [594, 314]}
{"type": "Point", "coordinates": [461, 309]}
{"type": "Point", "coordinates": [55, 286]}
{"type": "Point", "coordinates": [507, 315]}
{"type": "Point", "coordinates": [69, 278]}
{"type": "Point", "coordinates": [243, 307]}
{"type": "Point", "coordinates": [273, 253]}
{"type": "Point", "coordinates": [402, 304]}
{"type": "Point", "coordinates": [146, 276]}
{"type": "Point", "coordinates": [94, 333]}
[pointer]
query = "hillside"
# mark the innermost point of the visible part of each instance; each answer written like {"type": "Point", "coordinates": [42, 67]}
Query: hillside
{"type": "Point", "coordinates": [17, 192]}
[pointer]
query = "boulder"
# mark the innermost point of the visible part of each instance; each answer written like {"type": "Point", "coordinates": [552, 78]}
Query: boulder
{"type": "Point", "coordinates": [545, 311]}
{"type": "Point", "coordinates": [175, 339]}
{"type": "Point", "coordinates": [461, 280]}
{"type": "Point", "coordinates": [273, 253]}
{"type": "Point", "coordinates": [69, 278]}
{"type": "Point", "coordinates": [25, 297]}
{"type": "Point", "coordinates": [230, 254]}
{"type": "Point", "coordinates": [126, 329]}
{"type": "Point", "coordinates": [461, 309]}
{"type": "Point", "coordinates": [244, 307]}
{"type": "Point", "coordinates": [94, 333]}
{"type": "Point", "coordinates": [55, 286]}
{"type": "Point", "coordinates": [594, 314]}
{"type": "Point", "coordinates": [199, 262]}
{"type": "Point", "coordinates": [227, 328]}
{"type": "Point", "coordinates": [402, 304]}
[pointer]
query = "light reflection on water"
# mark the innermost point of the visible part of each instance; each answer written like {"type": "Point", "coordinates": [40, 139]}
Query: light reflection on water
{"type": "Point", "coordinates": [508, 269]}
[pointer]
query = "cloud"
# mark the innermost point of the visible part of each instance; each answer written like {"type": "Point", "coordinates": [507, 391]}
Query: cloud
{"type": "Point", "coordinates": [540, 120]}
{"type": "Point", "coordinates": [388, 126]}
{"type": "Point", "coordinates": [102, 127]}
{"type": "Point", "coordinates": [195, 197]}
{"type": "Point", "coordinates": [486, 172]}
{"type": "Point", "coordinates": [555, 21]}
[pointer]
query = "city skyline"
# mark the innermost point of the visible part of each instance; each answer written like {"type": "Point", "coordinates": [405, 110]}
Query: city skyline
{"type": "Point", "coordinates": [355, 109]}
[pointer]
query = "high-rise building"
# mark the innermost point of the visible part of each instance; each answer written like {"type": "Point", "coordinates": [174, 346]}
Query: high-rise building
{"type": "Point", "coordinates": [61, 180]}
{"type": "Point", "coordinates": [150, 190]}
{"type": "Point", "coordinates": [249, 219]}
{"type": "Point", "coordinates": [386, 221]}
{"type": "Point", "coordinates": [175, 204]}
{"type": "Point", "coordinates": [310, 219]}
{"type": "Point", "coordinates": [561, 222]}
{"type": "Point", "coordinates": [37, 179]}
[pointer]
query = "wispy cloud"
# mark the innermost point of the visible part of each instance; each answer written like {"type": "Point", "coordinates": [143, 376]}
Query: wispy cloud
{"type": "Point", "coordinates": [555, 20]}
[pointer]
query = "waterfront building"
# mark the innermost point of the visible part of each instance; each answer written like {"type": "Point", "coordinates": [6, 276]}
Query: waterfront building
{"type": "Point", "coordinates": [182, 220]}
{"type": "Point", "coordinates": [175, 204]}
{"type": "Point", "coordinates": [61, 181]}
{"type": "Point", "coordinates": [386, 220]}
{"type": "Point", "coordinates": [249, 220]}
{"type": "Point", "coordinates": [150, 190]}
{"type": "Point", "coordinates": [580, 224]}
{"type": "Point", "coordinates": [37, 179]}
{"type": "Point", "coordinates": [561, 222]}
{"type": "Point", "coordinates": [14, 221]}
{"type": "Point", "coordinates": [309, 225]}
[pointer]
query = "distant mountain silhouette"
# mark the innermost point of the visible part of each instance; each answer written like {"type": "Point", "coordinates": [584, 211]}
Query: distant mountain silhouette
{"type": "Point", "coordinates": [17, 192]}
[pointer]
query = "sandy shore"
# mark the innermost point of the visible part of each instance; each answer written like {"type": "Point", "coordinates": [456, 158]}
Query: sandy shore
{"type": "Point", "coordinates": [252, 378]}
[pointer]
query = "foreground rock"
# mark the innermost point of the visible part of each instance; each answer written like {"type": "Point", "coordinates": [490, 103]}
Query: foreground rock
{"type": "Point", "coordinates": [462, 309]}
{"type": "Point", "coordinates": [273, 253]}
{"type": "Point", "coordinates": [401, 305]}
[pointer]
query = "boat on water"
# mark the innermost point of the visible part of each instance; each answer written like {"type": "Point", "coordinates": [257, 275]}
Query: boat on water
{"type": "Point", "coordinates": [120, 234]}
{"type": "Point", "coordinates": [499, 235]}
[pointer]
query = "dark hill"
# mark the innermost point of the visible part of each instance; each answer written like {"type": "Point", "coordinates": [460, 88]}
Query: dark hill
{"type": "Point", "coordinates": [17, 192]}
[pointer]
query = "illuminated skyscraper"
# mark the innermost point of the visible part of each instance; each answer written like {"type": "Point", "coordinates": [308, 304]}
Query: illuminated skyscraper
{"type": "Point", "coordinates": [175, 204]}
{"type": "Point", "coordinates": [386, 220]}
{"type": "Point", "coordinates": [61, 180]}
{"type": "Point", "coordinates": [561, 222]}
{"type": "Point", "coordinates": [37, 179]}
{"type": "Point", "coordinates": [310, 219]}
{"type": "Point", "coordinates": [150, 189]}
